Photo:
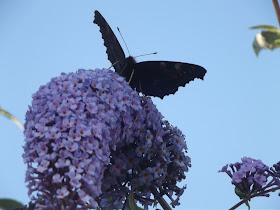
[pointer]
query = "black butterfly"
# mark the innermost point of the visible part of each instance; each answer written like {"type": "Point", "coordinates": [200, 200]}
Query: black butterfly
{"type": "Point", "coordinates": [152, 78]}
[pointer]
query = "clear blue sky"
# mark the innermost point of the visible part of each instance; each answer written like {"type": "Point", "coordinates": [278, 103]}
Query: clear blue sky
{"type": "Point", "coordinates": [233, 113]}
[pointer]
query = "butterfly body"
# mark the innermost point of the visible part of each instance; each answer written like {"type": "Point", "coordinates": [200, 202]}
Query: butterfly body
{"type": "Point", "coordinates": [152, 78]}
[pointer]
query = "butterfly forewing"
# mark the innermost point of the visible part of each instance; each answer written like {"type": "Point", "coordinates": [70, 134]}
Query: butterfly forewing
{"type": "Point", "coordinates": [114, 50]}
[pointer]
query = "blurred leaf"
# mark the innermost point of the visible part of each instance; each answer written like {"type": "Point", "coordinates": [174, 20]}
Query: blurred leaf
{"type": "Point", "coordinates": [9, 203]}
{"type": "Point", "coordinates": [247, 204]}
{"type": "Point", "coordinates": [268, 27]}
{"type": "Point", "coordinates": [240, 194]}
{"type": "Point", "coordinates": [267, 39]}
{"type": "Point", "coordinates": [131, 202]}
{"type": "Point", "coordinates": [11, 117]}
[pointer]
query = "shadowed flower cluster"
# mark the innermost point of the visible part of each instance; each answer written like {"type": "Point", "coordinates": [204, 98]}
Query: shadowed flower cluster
{"type": "Point", "coordinates": [90, 141]}
{"type": "Point", "coordinates": [152, 154]}
{"type": "Point", "coordinates": [276, 170]}
{"type": "Point", "coordinates": [251, 178]}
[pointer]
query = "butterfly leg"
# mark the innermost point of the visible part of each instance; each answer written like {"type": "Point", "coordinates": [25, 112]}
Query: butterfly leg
{"type": "Point", "coordinates": [123, 69]}
{"type": "Point", "coordinates": [131, 76]}
{"type": "Point", "coordinates": [140, 87]}
{"type": "Point", "coordinates": [113, 64]}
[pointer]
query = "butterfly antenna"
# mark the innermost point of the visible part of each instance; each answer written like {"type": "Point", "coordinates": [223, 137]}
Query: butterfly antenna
{"type": "Point", "coordinates": [146, 54]}
{"type": "Point", "coordinates": [123, 40]}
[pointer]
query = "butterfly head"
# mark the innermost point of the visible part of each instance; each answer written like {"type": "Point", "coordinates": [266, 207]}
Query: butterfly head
{"type": "Point", "coordinates": [130, 60]}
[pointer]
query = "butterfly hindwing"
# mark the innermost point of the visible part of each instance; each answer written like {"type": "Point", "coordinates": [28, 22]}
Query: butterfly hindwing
{"type": "Point", "coordinates": [161, 78]}
{"type": "Point", "coordinates": [114, 50]}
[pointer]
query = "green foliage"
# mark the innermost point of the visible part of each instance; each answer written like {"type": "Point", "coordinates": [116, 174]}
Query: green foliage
{"type": "Point", "coordinates": [131, 202]}
{"type": "Point", "coordinates": [11, 117]}
{"type": "Point", "coordinates": [9, 203]}
{"type": "Point", "coordinates": [266, 39]}
{"type": "Point", "coordinates": [242, 196]}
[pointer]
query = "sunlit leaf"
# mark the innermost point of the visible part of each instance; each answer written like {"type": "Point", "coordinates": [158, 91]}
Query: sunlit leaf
{"type": "Point", "coordinates": [11, 117]}
{"type": "Point", "coordinates": [267, 27]}
{"type": "Point", "coordinates": [266, 39]}
{"type": "Point", "coordinates": [9, 203]}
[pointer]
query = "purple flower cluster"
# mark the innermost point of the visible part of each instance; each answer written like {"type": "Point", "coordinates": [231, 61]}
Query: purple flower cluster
{"type": "Point", "coordinates": [90, 140]}
{"type": "Point", "coordinates": [276, 170]}
{"type": "Point", "coordinates": [251, 178]}
{"type": "Point", "coordinates": [152, 154]}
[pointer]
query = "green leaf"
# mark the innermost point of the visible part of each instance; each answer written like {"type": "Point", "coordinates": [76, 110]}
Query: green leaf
{"type": "Point", "coordinates": [9, 203]}
{"type": "Point", "coordinates": [11, 117]}
{"type": "Point", "coordinates": [240, 194]}
{"type": "Point", "coordinates": [131, 202]}
{"type": "Point", "coordinates": [267, 27]}
{"type": "Point", "coordinates": [267, 40]}
{"type": "Point", "coordinates": [247, 204]}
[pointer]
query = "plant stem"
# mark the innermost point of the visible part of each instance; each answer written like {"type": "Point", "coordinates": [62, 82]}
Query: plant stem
{"type": "Point", "coordinates": [160, 199]}
{"type": "Point", "coordinates": [252, 196]}
{"type": "Point", "coordinates": [277, 9]}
